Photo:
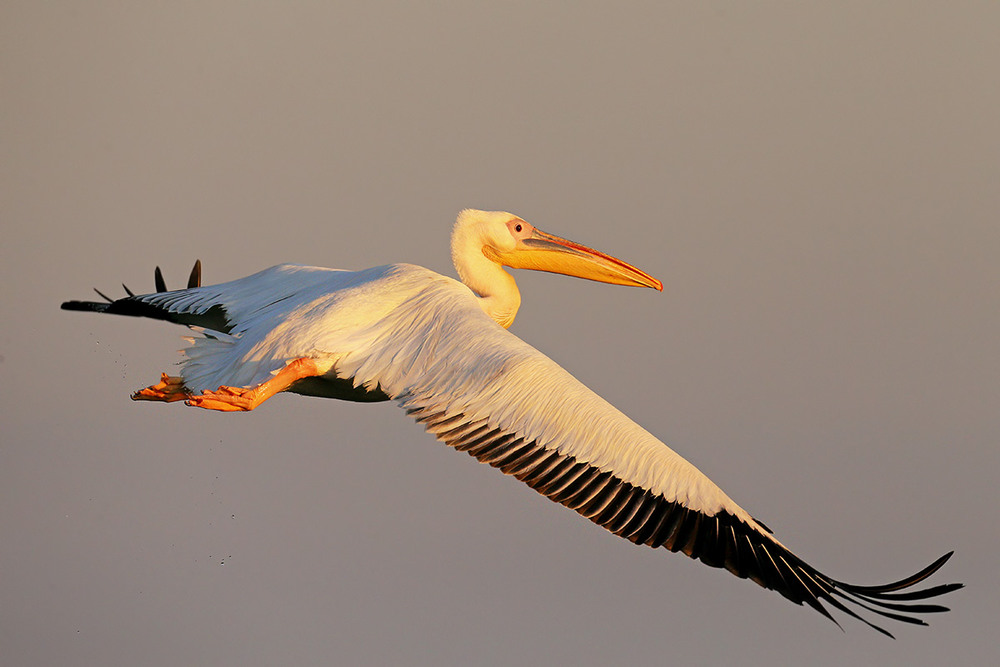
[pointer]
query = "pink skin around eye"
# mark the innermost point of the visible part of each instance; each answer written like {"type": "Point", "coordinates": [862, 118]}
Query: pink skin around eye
{"type": "Point", "coordinates": [519, 229]}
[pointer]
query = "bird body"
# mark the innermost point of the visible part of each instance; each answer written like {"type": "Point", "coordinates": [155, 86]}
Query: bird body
{"type": "Point", "coordinates": [421, 338]}
{"type": "Point", "coordinates": [440, 349]}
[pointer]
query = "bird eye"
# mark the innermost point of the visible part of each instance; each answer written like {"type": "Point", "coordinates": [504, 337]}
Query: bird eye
{"type": "Point", "coordinates": [518, 228]}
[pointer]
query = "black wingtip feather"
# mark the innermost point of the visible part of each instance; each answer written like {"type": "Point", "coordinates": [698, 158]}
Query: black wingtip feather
{"type": "Point", "coordinates": [922, 594]}
{"type": "Point", "coordinates": [194, 280]}
{"type": "Point", "coordinates": [88, 306]}
{"type": "Point", "coordinates": [161, 285]}
{"type": "Point", "coordinates": [902, 583]}
{"type": "Point", "coordinates": [213, 317]}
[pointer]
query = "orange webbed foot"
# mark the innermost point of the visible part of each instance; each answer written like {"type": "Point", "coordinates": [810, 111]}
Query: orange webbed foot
{"type": "Point", "coordinates": [170, 388]}
{"type": "Point", "coordinates": [226, 399]}
{"type": "Point", "coordinates": [242, 399]}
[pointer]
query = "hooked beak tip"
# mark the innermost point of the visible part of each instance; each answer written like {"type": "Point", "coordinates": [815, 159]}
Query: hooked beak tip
{"type": "Point", "coordinates": [545, 252]}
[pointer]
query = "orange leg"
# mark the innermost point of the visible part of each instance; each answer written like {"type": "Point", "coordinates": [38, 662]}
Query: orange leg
{"type": "Point", "coordinates": [232, 399]}
{"type": "Point", "coordinates": [169, 389]}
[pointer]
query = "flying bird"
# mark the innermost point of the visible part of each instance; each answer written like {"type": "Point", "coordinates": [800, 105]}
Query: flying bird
{"type": "Point", "coordinates": [441, 350]}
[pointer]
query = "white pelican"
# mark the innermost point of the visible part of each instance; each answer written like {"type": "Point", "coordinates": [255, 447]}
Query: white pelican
{"type": "Point", "coordinates": [440, 349]}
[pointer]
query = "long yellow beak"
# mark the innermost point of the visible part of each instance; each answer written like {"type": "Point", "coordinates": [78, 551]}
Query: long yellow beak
{"type": "Point", "coordinates": [545, 252]}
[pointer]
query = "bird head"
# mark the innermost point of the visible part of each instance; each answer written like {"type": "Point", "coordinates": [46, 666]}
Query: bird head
{"type": "Point", "coordinates": [510, 241]}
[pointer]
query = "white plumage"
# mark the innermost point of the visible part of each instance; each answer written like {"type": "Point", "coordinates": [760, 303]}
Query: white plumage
{"type": "Point", "coordinates": [441, 350]}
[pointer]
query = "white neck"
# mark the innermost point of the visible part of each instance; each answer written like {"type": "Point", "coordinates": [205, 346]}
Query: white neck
{"type": "Point", "coordinates": [496, 289]}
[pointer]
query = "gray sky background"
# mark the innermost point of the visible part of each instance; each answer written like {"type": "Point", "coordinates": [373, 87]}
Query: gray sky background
{"type": "Point", "coordinates": [816, 185]}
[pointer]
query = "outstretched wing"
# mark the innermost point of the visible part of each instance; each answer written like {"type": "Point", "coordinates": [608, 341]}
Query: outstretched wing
{"type": "Point", "coordinates": [224, 307]}
{"type": "Point", "coordinates": [481, 390]}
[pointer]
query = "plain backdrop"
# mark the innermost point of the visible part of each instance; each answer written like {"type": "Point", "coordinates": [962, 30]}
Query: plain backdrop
{"type": "Point", "coordinates": [815, 183]}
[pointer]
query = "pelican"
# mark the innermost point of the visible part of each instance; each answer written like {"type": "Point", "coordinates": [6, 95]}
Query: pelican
{"type": "Point", "coordinates": [440, 349]}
